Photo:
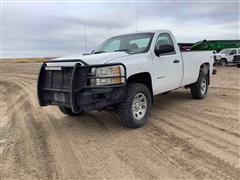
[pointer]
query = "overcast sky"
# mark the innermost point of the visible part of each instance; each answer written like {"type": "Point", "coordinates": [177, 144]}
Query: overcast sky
{"type": "Point", "coordinates": [31, 29]}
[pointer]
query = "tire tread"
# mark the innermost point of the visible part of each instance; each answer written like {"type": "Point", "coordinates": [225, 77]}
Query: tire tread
{"type": "Point", "coordinates": [123, 110]}
{"type": "Point", "coordinates": [195, 88]}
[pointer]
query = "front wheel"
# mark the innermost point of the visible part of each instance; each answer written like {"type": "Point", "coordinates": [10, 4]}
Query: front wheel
{"type": "Point", "coordinates": [223, 62]}
{"type": "Point", "coordinates": [69, 112]}
{"type": "Point", "coordinates": [200, 88]}
{"type": "Point", "coordinates": [134, 110]}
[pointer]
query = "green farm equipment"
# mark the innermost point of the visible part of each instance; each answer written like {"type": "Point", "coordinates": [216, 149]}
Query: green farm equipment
{"type": "Point", "coordinates": [216, 45]}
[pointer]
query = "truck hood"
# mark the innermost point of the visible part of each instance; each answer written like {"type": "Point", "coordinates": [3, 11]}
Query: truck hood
{"type": "Point", "coordinates": [222, 55]}
{"type": "Point", "coordinates": [89, 59]}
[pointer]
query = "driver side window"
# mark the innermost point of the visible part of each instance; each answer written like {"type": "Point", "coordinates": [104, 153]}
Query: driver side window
{"type": "Point", "coordinates": [233, 52]}
{"type": "Point", "coordinates": [164, 39]}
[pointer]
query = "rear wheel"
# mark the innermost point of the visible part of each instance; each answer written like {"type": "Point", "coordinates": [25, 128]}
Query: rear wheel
{"type": "Point", "coordinates": [134, 110]}
{"type": "Point", "coordinates": [69, 112]}
{"type": "Point", "coordinates": [238, 65]}
{"type": "Point", "coordinates": [223, 62]}
{"type": "Point", "coordinates": [200, 88]}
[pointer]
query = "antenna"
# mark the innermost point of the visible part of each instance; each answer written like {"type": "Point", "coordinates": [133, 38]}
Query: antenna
{"type": "Point", "coordinates": [137, 17]}
{"type": "Point", "coordinates": [85, 37]}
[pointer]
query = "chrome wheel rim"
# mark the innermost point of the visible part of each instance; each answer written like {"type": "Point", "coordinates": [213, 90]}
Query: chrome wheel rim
{"type": "Point", "coordinates": [203, 85]}
{"type": "Point", "coordinates": [139, 106]}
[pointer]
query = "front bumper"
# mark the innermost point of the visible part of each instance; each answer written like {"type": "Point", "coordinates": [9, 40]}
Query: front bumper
{"type": "Point", "coordinates": [70, 87]}
{"type": "Point", "coordinates": [217, 60]}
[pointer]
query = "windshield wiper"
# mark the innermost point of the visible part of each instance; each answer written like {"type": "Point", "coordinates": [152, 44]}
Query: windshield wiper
{"type": "Point", "coordinates": [126, 50]}
{"type": "Point", "coordinates": [99, 52]}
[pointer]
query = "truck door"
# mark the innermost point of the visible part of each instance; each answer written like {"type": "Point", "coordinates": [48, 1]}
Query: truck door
{"type": "Point", "coordinates": [231, 55]}
{"type": "Point", "coordinates": [167, 67]}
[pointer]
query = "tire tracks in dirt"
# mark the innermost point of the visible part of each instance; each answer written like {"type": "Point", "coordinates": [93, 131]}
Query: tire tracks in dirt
{"type": "Point", "coordinates": [184, 139]}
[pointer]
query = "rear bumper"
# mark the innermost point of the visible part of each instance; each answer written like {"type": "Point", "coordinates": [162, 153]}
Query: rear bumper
{"type": "Point", "coordinates": [70, 87]}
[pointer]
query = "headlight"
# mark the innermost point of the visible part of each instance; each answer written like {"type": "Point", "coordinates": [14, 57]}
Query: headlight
{"type": "Point", "coordinates": [107, 75]}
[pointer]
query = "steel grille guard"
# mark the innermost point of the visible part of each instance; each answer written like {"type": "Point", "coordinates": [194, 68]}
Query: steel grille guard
{"type": "Point", "coordinates": [78, 74]}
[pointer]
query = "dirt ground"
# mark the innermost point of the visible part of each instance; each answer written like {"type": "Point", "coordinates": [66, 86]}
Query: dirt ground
{"type": "Point", "coordinates": [183, 139]}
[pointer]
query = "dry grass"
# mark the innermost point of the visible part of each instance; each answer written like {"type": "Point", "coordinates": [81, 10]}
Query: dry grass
{"type": "Point", "coordinates": [25, 60]}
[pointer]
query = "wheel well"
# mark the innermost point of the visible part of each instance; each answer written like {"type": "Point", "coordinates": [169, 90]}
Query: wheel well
{"type": "Point", "coordinates": [224, 59]}
{"type": "Point", "coordinates": [144, 78]}
{"type": "Point", "coordinates": [206, 69]}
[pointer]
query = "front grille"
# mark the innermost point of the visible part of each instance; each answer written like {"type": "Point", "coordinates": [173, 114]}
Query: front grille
{"type": "Point", "coordinates": [58, 79]}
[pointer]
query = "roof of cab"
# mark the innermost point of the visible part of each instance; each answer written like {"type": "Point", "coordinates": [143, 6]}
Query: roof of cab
{"type": "Point", "coordinates": [145, 31]}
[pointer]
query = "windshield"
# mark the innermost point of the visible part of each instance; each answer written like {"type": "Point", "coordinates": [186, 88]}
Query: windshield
{"type": "Point", "coordinates": [132, 43]}
{"type": "Point", "coordinates": [224, 51]}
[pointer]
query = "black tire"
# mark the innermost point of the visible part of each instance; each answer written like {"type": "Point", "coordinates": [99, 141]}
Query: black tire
{"type": "Point", "coordinates": [223, 62]}
{"type": "Point", "coordinates": [124, 110]}
{"type": "Point", "coordinates": [197, 88]}
{"type": "Point", "coordinates": [68, 111]}
{"type": "Point", "coordinates": [238, 65]}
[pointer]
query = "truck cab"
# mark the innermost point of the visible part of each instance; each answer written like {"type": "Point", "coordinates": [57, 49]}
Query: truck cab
{"type": "Point", "coordinates": [123, 75]}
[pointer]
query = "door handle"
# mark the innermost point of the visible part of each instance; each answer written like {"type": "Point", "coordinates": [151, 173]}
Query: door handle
{"type": "Point", "coordinates": [176, 61]}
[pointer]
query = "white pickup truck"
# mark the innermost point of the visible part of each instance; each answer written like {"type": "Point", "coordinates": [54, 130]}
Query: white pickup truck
{"type": "Point", "coordinates": [123, 75]}
{"type": "Point", "coordinates": [228, 56]}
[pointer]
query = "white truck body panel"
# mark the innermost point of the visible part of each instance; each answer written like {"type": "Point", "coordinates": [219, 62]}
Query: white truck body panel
{"type": "Point", "coordinates": [192, 62]}
{"type": "Point", "coordinates": [165, 74]}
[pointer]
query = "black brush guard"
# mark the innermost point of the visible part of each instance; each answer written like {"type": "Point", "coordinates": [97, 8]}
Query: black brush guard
{"type": "Point", "coordinates": [70, 87]}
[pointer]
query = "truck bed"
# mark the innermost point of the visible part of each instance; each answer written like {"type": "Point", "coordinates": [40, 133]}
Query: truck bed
{"type": "Point", "coordinates": [192, 62]}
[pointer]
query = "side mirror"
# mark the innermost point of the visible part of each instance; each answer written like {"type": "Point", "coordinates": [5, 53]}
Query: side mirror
{"type": "Point", "coordinates": [165, 48]}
